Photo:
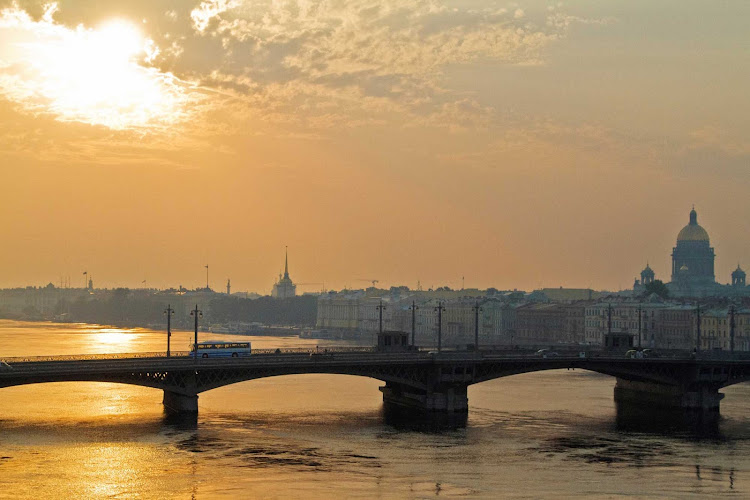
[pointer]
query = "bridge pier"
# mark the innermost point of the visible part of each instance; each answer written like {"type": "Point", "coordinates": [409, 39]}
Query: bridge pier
{"type": "Point", "coordinates": [699, 397]}
{"type": "Point", "coordinates": [446, 398]}
{"type": "Point", "coordinates": [174, 402]}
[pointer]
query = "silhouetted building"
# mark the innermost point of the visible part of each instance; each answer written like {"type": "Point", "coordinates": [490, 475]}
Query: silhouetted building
{"type": "Point", "coordinates": [738, 277]}
{"type": "Point", "coordinates": [693, 257]}
{"type": "Point", "coordinates": [647, 275]}
{"type": "Point", "coordinates": [284, 288]}
{"type": "Point", "coordinates": [693, 267]}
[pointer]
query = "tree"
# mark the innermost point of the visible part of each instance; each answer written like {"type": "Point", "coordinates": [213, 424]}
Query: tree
{"type": "Point", "coordinates": [658, 287]}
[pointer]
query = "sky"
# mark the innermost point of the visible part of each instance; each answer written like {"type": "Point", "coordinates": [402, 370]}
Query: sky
{"type": "Point", "coordinates": [479, 143]}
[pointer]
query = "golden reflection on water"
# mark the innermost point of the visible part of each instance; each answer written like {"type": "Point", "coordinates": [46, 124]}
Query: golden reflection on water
{"type": "Point", "coordinates": [112, 339]}
{"type": "Point", "coordinates": [111, 469]}
{"type": "Point", "coordinates": [548, 434]}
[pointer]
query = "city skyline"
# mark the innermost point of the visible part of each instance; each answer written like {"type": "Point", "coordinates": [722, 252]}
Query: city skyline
{"type": "Point", "coordinates": [65, 281]}
{"type": "Point", "coordinates": [558, 145]}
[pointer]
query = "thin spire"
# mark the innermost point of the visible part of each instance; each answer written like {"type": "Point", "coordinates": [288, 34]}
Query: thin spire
{"type": "Point", "coordinates": [286, 262]}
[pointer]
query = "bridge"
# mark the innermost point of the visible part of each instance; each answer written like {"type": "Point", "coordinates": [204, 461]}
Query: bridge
{"type": "Point", "coordinates": [424, 380]}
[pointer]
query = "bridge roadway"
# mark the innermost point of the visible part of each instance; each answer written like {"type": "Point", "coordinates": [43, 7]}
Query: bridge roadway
{"type": "Point", "coordinates": [419, 379]}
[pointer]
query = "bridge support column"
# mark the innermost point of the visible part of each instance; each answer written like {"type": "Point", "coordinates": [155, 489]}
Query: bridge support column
{"type": "Point", "coordinates": [450, 398]}
{"type": "Point", "coordinates": [175, 402]}
{"type": "Point", "coordinates": [701, 397]}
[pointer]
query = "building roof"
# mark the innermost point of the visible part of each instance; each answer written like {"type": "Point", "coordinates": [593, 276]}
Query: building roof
{"type": "Point", "coordinates": [693, 231]}
{"type": "Point", "coordinates": [569, 294]}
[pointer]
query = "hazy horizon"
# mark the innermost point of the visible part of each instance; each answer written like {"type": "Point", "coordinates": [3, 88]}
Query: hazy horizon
{"type": "Point", "coordinates": [522, 144]}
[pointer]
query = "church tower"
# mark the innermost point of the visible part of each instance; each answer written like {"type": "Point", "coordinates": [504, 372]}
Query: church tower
{"type": "Point", "coordinates": [738, 277]}
{"type": "Point", "coordinates": [647, 276]}
{"type": "Point", "coordinates": [284, 288]}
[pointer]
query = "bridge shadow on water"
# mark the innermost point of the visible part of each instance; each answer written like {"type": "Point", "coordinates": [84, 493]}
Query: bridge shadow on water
{"type": "Point", "coordinates": [653, 420]}
{"type": "Point", "coordinates": [408, 419]}
{"type": "Point", "coordinates": [180, 421]}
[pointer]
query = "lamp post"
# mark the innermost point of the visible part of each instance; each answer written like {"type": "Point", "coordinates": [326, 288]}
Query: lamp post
{"type": "Point", "coordinates": [476, 310]}
{"type": "Point", "coordinates": [640, 314]}
{"type": "Point", "coordinates": [196, 313]}
{"type": "Point", "coordinates": [169, 312]}
{"type": "Point", "coordinates": [440, 310]}
{"type": "Point", "coordinates": [413, 308]}
{"type": "Point", "coordinates": [731, 329]}
{"type": "Point", "coordinates": [698, 325]}
{"type": "Point", "coordinates": [380, 308]}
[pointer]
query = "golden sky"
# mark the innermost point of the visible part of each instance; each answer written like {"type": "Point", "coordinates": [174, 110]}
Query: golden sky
{"type": "Point", "coordinates": [517, 144]}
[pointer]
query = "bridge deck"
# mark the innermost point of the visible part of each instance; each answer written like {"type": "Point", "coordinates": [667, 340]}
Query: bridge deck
{"type": "Point", "coordinates": [426, 375]}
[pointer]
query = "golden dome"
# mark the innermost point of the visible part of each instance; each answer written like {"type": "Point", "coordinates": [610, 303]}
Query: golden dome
{"type": "Point", "coordinates": [693, 231]}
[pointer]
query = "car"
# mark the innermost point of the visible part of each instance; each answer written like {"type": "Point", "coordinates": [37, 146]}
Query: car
{"type": "Point", "coordinates": [631, 354]}
{"type": "Point", "coordinates": [546, 353]}
{"type": "Point", "coordinates": [650, 353]}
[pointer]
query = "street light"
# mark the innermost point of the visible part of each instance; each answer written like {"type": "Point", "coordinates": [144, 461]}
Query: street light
{"type": "Point", "coordinates": [640, 315]}
{"type": "Point", "coordinates": [380, 308]}
{"type": "Point", "coordinates": [731, 329]}
{"type": "Point", "coordinates": [196, 314]}
{"type": "Point", "coordinates": [413, 308]}
{"type": "Point", "coordinates": [169, 312]}
{"type": "Point", "coordinates": [440, 310]}
{"type": "Point", "coordinates": [476, 310]}
{"type": "Point", "coordinates": [698, 325]}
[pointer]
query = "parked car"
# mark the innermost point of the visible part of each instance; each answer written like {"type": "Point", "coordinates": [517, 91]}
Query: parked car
{"type": "Point", "coordinates": [546, 353]}
{"type": "Point", "coordinates": [650, 353]}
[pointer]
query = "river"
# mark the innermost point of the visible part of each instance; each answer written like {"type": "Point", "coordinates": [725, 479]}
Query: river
{"type": "Point", "coordinates": [549, 434]}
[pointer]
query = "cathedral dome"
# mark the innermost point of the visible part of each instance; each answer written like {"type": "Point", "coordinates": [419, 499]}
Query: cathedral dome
{"type": "Point", "coordinates": [693, 231]}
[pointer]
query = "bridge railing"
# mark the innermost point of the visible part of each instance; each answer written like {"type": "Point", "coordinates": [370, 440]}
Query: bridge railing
{"type": "Point", "coordinates": [87, 357]}
{"type": "Point", "coordinates": [343, 350]}
{"type": "Point", "coordinates": [181, 354]}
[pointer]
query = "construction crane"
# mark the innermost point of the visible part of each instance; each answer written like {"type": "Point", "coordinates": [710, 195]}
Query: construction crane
{"type": "Point", "coordinates": [370, 280]}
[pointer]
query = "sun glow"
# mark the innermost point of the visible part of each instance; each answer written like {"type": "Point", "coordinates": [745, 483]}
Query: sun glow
{"type": "Point", "coordinates": [98, 76]}
{"type": "Point", "coordinates": [112, 339]}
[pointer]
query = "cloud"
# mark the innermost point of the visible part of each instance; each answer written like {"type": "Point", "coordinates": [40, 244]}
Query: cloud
{"type": "Point", "coordinates": [209, 9]}
{"type": "Point", "coordinates": [99, 76]}
{"type": "Point", "coordinates": [307, 63]}
{"type": "Point", "coordinates": [338, 62]}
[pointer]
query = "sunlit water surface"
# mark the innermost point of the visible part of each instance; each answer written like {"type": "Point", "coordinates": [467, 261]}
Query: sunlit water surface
{"type": "Point", "coordinates": [554, 434]}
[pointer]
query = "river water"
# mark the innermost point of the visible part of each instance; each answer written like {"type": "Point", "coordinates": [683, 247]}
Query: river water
{"type": "Point", "coordinates": [551, 434]}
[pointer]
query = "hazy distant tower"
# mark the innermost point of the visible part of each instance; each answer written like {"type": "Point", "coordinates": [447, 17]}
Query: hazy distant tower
{"type": "Point", "coordinates": [647, 275]}
{"type": "Point", "coordinates": [229, 287]}
{"type": "Point", "coordinates": [738, 277]}
{"type": "Point", "coordinates": [284, 288]}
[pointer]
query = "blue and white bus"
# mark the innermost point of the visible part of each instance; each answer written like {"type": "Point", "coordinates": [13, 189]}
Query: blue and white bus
{"type": "Point", "coordinates": [222, 349]}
